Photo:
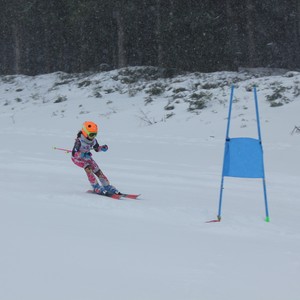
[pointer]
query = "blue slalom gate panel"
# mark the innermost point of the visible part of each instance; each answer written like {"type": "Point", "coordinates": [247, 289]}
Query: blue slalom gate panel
{"type": "Point", "coordinates": [243, 158]}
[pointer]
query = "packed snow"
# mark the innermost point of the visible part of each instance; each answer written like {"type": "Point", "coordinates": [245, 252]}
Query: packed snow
{"type": "Point", "coordinates": [166, 142]}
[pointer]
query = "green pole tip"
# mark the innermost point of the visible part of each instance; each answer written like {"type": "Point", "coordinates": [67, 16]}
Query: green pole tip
{"type": "Point", "coordinates": [267, 219]}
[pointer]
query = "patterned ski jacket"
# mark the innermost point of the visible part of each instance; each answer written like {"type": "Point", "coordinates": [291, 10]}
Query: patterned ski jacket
{"type": "Point", "coordinates": [84, 146]}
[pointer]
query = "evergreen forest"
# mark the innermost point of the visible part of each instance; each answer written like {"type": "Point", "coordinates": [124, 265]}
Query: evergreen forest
{"type": "Point", "coordinates": [44, 36]}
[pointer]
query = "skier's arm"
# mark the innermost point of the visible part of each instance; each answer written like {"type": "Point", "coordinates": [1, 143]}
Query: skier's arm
{"type": "Point", "coordinates": [99, 148]}
{"type": "Point", "coordinates": [76, 147]}
{"type": "Point", "coordinates": [96, 146]}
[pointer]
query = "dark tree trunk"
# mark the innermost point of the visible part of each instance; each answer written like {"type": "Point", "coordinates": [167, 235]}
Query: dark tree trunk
{"type": "Point", "coordinates": [252, 54]}
{"type": "Point", "coordinates": [120, 19]}
{"type": "Point", "coordinates": [17, 49]}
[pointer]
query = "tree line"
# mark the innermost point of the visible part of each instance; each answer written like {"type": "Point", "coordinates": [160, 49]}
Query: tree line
{"type": "Point", "coordinates": [42, 36]}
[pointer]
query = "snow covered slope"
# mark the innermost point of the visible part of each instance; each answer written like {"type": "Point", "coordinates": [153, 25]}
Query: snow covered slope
{"type": "Point", "coordinates": [166, 141]}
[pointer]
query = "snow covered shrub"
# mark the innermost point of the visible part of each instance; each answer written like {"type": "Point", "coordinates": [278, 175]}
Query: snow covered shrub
{"type": "Point", "coordinates": [278, 97]}
{"type": "Point", "coordinates": [169, 107]}
{"type": "Point", "coordinates": [60, 99]}
{"type": "Point", "coordinates": [196, 105]}
{"type": "Point", "coordinates": [156, 89]}
{"type": "Point", "coordinates": [249, 87]}
{"type": "Point", "coordinates": [109, 91]}
{"type": "Point", "coordinates": [296, 130]}
{"type": "Point", "coordinates": [8, 79]}
{"type": "Point", "coordinates": [208, 86]}
{"type": "Point", "coordinates": [198, 100]}
{"type": "Point", "coordinates": [84, 83]}
{"type": "Point", "coordinates": [296, 91]}
{"type": "Point", "coordinates": [133, 89]}
{"type": "Point", "coordinates": [135, 74]}
{"type": "Point", "coordinates": [170, 115]}
{"type": "Point", "coordinates": [179, 90]}
{"type": "Point", "coordinates": [148, 100]}
{"type": "Point", "coordinates": [97, 94]}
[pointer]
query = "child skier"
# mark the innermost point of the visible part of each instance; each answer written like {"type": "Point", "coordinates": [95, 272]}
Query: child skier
{"type": "Point", "coordinates": [82, 157]}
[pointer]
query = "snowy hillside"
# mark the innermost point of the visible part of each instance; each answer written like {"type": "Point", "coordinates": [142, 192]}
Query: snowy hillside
{"type": "Point", "coordinates": [166, 141]}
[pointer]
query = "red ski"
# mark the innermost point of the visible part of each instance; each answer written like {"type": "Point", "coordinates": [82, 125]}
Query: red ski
{"type": "Point", "coordinates": [130, 196]}
{"type": "Point", "coordinates": [114, 196]}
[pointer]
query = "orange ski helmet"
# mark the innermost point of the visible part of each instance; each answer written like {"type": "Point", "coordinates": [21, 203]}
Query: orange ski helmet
{"type": "Point", "coordinates": [89, 129]}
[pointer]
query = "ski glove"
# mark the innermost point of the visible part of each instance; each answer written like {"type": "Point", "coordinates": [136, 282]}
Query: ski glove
{"type": "Point", "coordinates": [104, 148]}
{"type": "Point", "coordinates": [86, 155]}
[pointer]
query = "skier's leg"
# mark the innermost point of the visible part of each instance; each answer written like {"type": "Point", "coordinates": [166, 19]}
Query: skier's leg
{"type": "Point", "coordinates": [93, 181]}
{"type": "Point", "coordinates": [86, 165]}
{"type": "Point", "coordinates": [96, 170]}
{"type": "Point", "coordinates": [102, 178]}
{"type": "Point", "coordinates": [104, 181]}
{"type": "Point", "coordinates": [90, 175]}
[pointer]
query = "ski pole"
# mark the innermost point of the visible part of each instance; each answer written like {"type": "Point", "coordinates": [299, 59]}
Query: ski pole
{"type": "Point", "coordinates": [62, 149]}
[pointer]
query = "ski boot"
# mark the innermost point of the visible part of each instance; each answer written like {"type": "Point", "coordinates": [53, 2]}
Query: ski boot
{"type": "Point", "coordinates": [111, 189]}
{"type": "Point", "coordinates": [98, 189]}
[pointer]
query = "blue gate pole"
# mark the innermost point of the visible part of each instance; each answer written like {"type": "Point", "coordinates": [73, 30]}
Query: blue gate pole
{"type": "Point", "coordinates": [220, 199]}
{"type": "Point", "coordinates": [229, 112]}
{"type": "Point", "coordinates": [226, 141]}
{"type": "Point", "coordinates": [259, 137]}
{"type": "Point", "coordinates": [257, 115]}
{"type": "Point", "coordinates": [266, 201]}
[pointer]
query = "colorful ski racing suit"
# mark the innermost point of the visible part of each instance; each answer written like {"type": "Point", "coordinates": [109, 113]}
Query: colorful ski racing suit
{"type": "Point", "coordinates": [82, 157]}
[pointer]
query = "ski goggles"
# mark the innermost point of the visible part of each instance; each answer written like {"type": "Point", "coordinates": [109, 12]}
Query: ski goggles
{"type": "Point", "coordinates": [92, 134]}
